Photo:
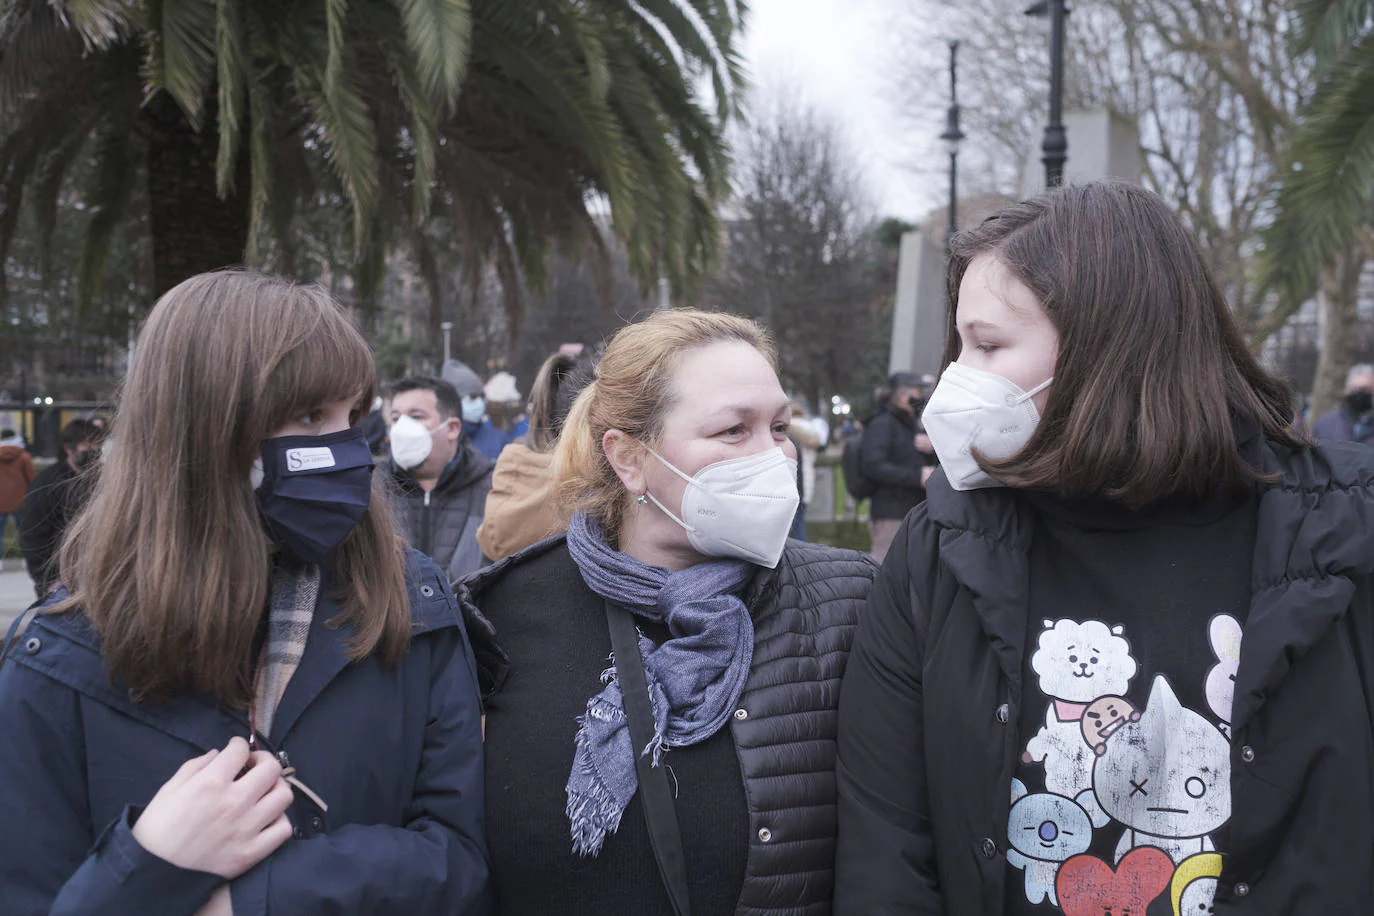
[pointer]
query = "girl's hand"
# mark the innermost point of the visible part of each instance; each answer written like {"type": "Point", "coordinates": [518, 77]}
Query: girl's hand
{"type": "Point", "coordinates": [209, 818]}
{"type": "Point", "coordinates": [220, 904]}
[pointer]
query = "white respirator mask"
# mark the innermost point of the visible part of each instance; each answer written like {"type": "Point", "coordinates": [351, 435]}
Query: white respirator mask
{"type": "Point", "coordinates": [972, 409]}
{"type": "Point", "coordinates": [741, 508]}
{"type": "Point", "coordinates": [411, 442]}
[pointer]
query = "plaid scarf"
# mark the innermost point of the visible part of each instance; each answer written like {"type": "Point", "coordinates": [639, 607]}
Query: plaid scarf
{"type": "Point", "coordinates": [291, 607]}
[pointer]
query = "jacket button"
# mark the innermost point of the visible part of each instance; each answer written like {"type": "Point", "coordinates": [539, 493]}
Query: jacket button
{"type": "Point", "coordinates": [1247, 754]}
{"type": "Point", "coordinates": [989, 848]}
{"type": "Point", "coordinates": [298, 833]}
{"type": "Point", "coordinates": [741, 713]}
{"type": "Point", "coordinates": [765, 835]}
{"type": "Point", "coordinates": [1241, 889]}
{"type": "Point", "coordinates": [427, 591]}
{"type": "Point", "coordinates": [33, 645]}
{"type": "Point", "coordinates": [317, 823]}
{"type": "Point", "coordinates": [1003, 714]}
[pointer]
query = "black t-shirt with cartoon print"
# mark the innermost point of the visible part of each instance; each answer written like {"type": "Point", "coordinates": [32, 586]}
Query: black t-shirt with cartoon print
{"type": "Point", "coordinates": [1123, 790]}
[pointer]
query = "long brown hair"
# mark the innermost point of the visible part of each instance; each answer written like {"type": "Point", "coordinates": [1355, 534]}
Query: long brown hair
{"type": "Point", "coordinates": [169, 559]}
{"type": "Point", "coordinates": [632, 391]}
{"type": "Point", "coordinates": [1153, 376]}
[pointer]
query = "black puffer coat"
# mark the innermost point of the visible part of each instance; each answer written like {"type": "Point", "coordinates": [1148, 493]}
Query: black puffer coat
{"type": "Point", "coordinates": [442, 524]}
{"type": "Point", "coordinates": [931, 706]}
{"type": "Point", "coordinates": [891, 461]}
{"type": "Point", "coordinates": [805, 613]}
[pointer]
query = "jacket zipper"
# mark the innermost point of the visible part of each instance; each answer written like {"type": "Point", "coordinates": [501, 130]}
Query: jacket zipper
{"type": "Point", "coordinates": [425, 525]}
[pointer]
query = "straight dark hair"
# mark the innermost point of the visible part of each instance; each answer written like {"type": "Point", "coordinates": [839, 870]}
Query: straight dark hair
{"type": "Point", "coordinates": [78, 432]}
{"type": "Point", "coordinates": [446, 398]}
{"type": "Point", "coordinates": [1153, 377]}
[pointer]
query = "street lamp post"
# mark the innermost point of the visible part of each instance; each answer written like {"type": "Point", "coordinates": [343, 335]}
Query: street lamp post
{"type": "Point", "coordinates": [952, 136]}
{"type": "Point", "coordinates": [447, 328]}
{"type": "Point", "coordinates": [1056, 145]}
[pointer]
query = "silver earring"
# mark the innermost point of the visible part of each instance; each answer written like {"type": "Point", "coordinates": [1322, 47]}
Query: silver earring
{"type": "Point", "coordinates": [642, 499]}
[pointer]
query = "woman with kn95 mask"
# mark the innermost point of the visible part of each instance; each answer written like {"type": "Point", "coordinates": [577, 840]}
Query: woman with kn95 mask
{"type": "Point", "coordinates": [697, 774]}
{"type": "Point", "coordinates": [248, 696]}
{"type": "Point", "coordinates": [1087, 672]}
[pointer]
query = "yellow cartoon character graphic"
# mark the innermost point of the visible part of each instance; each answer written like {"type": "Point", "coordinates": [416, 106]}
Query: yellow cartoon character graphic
{"type": "Point", "coordinates": [1195, 884]}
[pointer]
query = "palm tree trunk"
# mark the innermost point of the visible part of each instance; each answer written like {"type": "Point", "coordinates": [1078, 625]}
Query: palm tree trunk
{"type": "Point", "coordinates": [1340, 328]}
{"type": "Point", "coordinates": [193, 230]}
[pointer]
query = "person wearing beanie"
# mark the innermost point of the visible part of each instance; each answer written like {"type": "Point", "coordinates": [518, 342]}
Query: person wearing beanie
{"type": "Point", "coordinates": [477, 425]}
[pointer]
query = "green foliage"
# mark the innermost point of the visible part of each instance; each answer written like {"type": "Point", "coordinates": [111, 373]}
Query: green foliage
{"type": "Point", "coordinates": [512, 120]}
{"type": "Point", "coordinates": [1325, 195]}
{"type": "Point", "coordinates": [889, 232]}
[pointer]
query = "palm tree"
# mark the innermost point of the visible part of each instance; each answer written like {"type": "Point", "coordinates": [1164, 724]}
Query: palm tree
{"type": "Point", "coordinates": [1325, 197]}
{"type": "Point", "coordinates": [513, 121]}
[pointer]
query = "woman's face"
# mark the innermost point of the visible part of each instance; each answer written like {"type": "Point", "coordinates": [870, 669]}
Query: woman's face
{"type": "Point", "coordinates": [323, 420]}
{"type": "Point", "coordinates": [1003, 329]}
{"type": "Point", "coordinates": [726, 403]}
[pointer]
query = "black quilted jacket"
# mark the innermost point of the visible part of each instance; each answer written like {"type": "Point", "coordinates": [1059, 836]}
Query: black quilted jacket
{"type": "Point", "coordinates": [805, 615]}
{"type": "Point", "coordinates": [443, 524]}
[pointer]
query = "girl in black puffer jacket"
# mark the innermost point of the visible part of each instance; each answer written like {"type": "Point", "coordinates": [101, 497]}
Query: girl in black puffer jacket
{"type": "Point", "coordinates": [1120, 660]}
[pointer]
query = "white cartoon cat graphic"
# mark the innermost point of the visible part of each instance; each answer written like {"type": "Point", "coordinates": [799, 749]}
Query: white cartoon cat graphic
{"type": "Point", "coordinates": [1076, 663]}
{"type": "Point", "coordinates": [1166, 777]}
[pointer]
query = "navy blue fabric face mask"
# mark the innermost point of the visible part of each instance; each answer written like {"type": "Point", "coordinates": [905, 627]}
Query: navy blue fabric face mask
{"type": "Point", "coordinates": [314, 491]}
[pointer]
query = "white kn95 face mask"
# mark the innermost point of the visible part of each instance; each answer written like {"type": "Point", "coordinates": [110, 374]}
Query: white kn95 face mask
{"type": "Point", "coordinates": [972, 409]}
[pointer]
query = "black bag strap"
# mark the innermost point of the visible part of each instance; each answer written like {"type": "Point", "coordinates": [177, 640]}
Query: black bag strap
{"type": "Point", "coordinates": [657, 798]}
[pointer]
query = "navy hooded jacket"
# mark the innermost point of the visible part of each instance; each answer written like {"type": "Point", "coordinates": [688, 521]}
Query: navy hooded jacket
{"type": "Point", "coordinates": [396, 754]}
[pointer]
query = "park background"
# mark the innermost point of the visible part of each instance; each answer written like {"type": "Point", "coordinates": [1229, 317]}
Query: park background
{"type": "Point", "coordinates": [527, 173]}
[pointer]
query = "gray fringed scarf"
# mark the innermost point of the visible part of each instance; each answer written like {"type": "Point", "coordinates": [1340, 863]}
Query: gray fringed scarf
{"type": "Point", "coordinates": [695, 678]}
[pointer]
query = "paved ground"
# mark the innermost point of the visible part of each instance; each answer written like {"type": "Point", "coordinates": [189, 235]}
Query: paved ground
{"type": "Point", "coordinates": [16, 594]}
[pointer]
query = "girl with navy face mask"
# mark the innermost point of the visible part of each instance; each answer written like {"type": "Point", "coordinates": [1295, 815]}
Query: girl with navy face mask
{"type": "Point", "coordinates": [695, 774]}
{"type": "Point", "coordinates": [249, 697]}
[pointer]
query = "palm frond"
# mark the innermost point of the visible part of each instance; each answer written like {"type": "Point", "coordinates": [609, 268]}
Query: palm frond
{"type": "Point", "coordinates": [1329, 27]}
{"type": "Point", "coordinates": [100, 23]}
{"type": "Point", "coordinates": [234, 64]}
{"type": "Point", "coordinates": [344, 125]}
{"type": "Point", "coordinates": [439, 33]}
{"type": "Point", "coordinates": [419, 103]}
{"type": "Point", "coordinates": [34, 44]}
{"type": "Point", "coordinates": [1327, 195]}
{"type": "Point", "coordinates": [181, 52]}
{"type": "Point", "coordinates": [336, 16]}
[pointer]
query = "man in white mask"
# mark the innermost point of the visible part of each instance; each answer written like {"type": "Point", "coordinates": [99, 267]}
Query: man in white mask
{"type": "Point", "coordinates": [443, 480]}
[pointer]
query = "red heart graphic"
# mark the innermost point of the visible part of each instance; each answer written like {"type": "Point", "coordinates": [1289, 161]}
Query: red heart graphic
{"type": "Point", "coordinates": [1087, 886]}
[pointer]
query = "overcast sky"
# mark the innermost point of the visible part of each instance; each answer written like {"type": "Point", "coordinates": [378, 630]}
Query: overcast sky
{"type": "Point", "coordinates": [836, 53]}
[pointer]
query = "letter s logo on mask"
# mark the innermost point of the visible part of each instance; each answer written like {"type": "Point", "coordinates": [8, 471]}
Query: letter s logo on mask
{"type": "Point", "coordinates": [309, 459]}
{"type": "Point", "coordinates": [972, 409]}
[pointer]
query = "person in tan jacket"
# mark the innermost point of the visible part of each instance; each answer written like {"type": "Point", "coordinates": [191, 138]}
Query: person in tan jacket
{"type": "Point", "coordinates": [520, 507]}
{"type": "Point", "coordinates": [16, 473]}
